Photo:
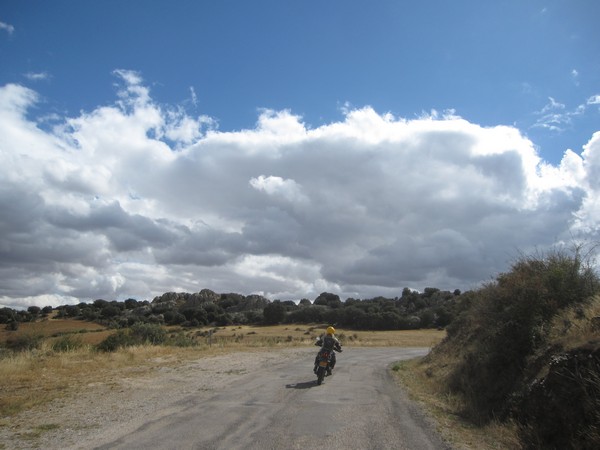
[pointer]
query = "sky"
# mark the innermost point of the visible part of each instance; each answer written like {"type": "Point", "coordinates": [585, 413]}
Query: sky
{"type": "Point", "coordinates": [291, 148]}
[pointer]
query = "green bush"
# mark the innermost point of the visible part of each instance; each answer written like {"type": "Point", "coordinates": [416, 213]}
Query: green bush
{"type": "Point", "coordinates": [147, 333]}
{"type": "Point", "coordinates": [182, 340]}
{"type": "Point", "coordinates": [13, 325]}
{"type": "Point", "coordinates": [25, 342]}
{"type": "Point", "coordinates": [121, 338]}
{"type": "Point", "coordinates": [139, 334]}
{"type": "Point", "coordinates": [503, 324]}
{"type": "Point", "coordinates": [67, 343]}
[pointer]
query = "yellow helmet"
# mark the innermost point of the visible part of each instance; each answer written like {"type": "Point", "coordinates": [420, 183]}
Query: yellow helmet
{"type": "Point", "coordinates": [330, 330]}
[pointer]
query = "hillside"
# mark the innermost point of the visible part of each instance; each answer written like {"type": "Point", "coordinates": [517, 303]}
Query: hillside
{"type": "Point", "coordinates": [525, 350]}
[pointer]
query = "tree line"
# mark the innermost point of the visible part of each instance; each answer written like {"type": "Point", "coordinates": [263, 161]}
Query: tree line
{"type": "Point", "coordinates": [432, 308]}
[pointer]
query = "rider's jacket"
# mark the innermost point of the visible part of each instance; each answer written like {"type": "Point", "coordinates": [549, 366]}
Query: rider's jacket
{"type": "Point", "coordinates": [329, 342]}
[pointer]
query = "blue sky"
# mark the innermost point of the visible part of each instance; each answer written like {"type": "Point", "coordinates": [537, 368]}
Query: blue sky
{"type": "Point", "coordinates": [492, 62]}
{"type": "Point", "coordinates": [338, 90]}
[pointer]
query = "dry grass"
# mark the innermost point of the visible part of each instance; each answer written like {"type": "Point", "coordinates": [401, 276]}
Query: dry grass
{"type": "Point", "coordinates": [88, 332]}
{"type": "Point", "coordinates": [298, 335]}
{"type": "Point", "coordinates": [424, 386]}
{"type": "Point", "coordinates": [29, 379]}
{"type": "Point", "coordinates": [32, 378]}
{"type": "Point", "coordinates": [576, 326]}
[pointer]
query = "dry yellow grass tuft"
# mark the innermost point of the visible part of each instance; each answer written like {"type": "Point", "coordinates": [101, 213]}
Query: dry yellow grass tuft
{"type": "Point", "coordinates": [577, 325]}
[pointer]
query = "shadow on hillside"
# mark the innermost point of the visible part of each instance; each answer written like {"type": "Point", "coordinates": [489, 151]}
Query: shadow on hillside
{"type": "Point", "coordinates": [305, 385]}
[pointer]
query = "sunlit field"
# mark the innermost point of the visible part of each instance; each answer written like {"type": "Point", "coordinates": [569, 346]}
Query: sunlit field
{"type": "Point", "coordinates": [298, 335]}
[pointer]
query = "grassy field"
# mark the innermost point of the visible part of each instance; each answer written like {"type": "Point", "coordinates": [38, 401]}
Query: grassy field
{"type": "Point", "coordinates": [48, 328]}
{"type": "Point", "coordinates": [238, 337]}
{"type": "Point", "coordinates": [253, 336]}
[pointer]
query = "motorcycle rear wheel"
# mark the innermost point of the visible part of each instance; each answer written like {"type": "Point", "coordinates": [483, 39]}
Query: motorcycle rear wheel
{"type": "Point", "coordinates": [320, 375]}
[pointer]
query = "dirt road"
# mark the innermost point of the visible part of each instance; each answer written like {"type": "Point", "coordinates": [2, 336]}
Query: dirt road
{"type": "Point", "coordinates": [278, 405]}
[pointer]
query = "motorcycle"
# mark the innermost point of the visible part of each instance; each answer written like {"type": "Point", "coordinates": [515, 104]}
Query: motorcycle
{"type": "Point", "coordinates": [323, 359]}
{"type": "Point", "coordinates": [323, 362]}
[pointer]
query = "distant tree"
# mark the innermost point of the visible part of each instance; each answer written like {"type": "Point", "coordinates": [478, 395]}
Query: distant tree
{"type": "Point", "coordinates": [71, 311]}
{"type": "Point", "coordinates": [427, 318]}
{"type": "Point", "coordinates": [254, 316]}
{"type": "Point", "coordinates": [90, 314]}
{"type": "Point", "coordinates": [328, 299]}
{"type": "Point", "coordinates": [34, 311]}
{"type": "Point", "coordinates": [110, 311]}
{"type": "Point", "coordinates": [429, 291]}
{"type": "Point", "coordinates": [47, 310]}
{"type": "Point", "coordinates": [442, 317]}
{"type": "Point", "coordinates": [197, 314]}
{"type": "Point", "coordinates": [131, 303]}
{"type": "Point", "coordinates": [304, 302]}
{"type": "Point", "coordinates": [310, 314]}
{"type": "Point", "coordinates": [173, 318]}
{"type": "Point", "coordinates": [100, 304]}
{"type": "Point", "coordinates": [289, 305]}
{"type": "Point", "coordinates": [7, 315]}
{"type": "Point", "coordinates": [352, 317]}
{"type": "Point", "coordinates": [274, 313]}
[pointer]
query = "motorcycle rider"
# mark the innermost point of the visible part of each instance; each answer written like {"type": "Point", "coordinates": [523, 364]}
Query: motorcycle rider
{"type": "Point", "coordinates": [328, 342]}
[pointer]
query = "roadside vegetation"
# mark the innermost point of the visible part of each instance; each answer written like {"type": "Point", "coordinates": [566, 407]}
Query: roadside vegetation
{"type": "Point", "coordinates": [520, 366]}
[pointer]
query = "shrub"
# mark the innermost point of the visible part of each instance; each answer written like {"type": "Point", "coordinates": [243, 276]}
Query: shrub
{"type": "Point", "coordinates": [503, 324]}
{"type": "Point", "coordinates": [139, 334]}
{"type": "Point", "coordinates": [562, 410]}
{"type": "Point", "coordinates": [182, 340]}
{"type": "Point", "coordinates": [66, 343]}
{"type": "Point", "coordinates": [25, 342]}
{"type": "Point", "coordinates": [146, 333]}
{"type": "Point", "coordinates": [12, 325]}
{"type": "Point", "coordinates": [121, 338]}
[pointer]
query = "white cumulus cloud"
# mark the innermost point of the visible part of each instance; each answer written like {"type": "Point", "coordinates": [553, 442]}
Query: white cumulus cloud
{"type": "Point", "coordinates": [277, 186]}
{"type": "Point", "coordinates": [135, 199]}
